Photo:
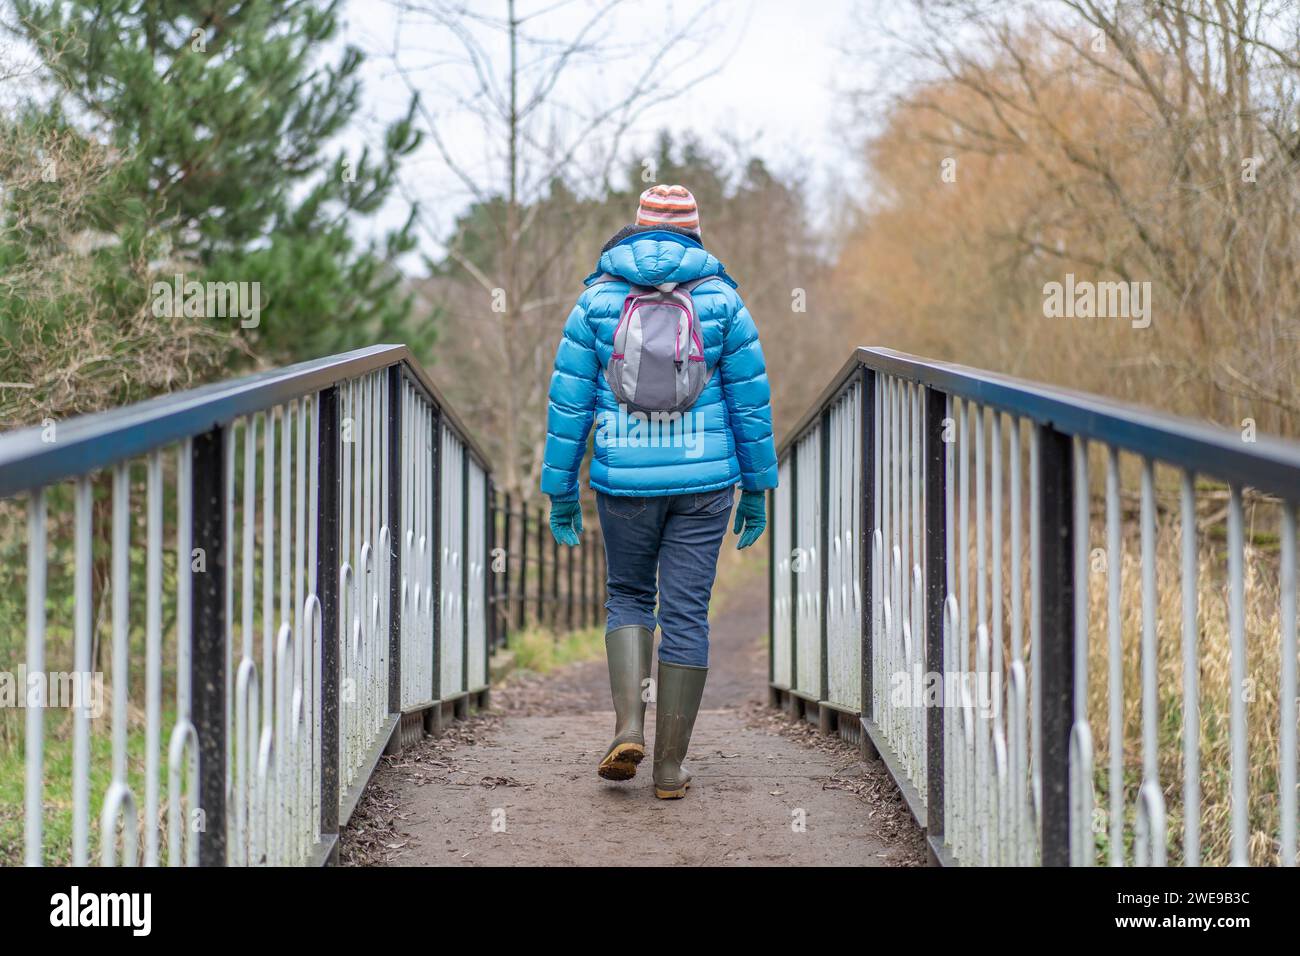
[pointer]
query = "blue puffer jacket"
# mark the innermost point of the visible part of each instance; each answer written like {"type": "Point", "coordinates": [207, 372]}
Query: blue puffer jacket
{"type": "Point", "coordinates": [731, 422]}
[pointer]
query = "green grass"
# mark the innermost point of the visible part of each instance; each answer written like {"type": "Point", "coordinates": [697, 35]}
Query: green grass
{"type": "Point", "coordinates": [58, 788]}
{"type": "Point", "coordinates": [541, 651]}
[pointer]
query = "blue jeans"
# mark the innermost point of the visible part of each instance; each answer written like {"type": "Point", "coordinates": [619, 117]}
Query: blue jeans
{"type": "Point", "coordinates": [677, 537]}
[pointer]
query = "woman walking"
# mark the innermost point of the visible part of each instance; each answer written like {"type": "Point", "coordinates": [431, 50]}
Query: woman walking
{"type": "Point", "coordinates": [662, 354]}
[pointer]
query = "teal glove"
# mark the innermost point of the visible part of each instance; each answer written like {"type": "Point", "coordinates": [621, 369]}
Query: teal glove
{"type": "Point", "coordinates": [566, 521]}
{"type": "Point", "coordinates": [751, 515]}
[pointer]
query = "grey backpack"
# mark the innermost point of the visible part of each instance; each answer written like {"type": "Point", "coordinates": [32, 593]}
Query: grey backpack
{"type": "Point", "coordinates": [658, 360]}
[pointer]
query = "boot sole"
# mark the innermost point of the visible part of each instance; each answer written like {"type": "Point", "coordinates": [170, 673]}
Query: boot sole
{"type": "Point", "coordinates": [672, 794]}
{"type": "Point", "coordinates": [620, 763]}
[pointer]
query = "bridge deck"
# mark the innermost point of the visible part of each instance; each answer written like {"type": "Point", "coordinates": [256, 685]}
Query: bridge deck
{"type": "Point", "coordinates": [532, 766]}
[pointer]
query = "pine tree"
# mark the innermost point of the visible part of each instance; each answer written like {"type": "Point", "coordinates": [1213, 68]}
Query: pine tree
{"type": "Point", "coordinates": [228, 124]}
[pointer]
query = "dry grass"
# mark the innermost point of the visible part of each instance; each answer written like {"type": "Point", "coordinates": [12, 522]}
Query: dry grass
{"type": "Point", "coordinates": [1261, 692]}
{"type": "Point", "coordinates": [1262, 517]}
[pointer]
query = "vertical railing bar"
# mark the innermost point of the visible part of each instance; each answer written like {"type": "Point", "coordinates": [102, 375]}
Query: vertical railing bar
{"type": "Point", "coordinates": [185, 465]}
{"type": "Point", "coordinates": [868, 483]}
{"type": "Point", "coordinates": [1016, 534]}
{"type": "Point", "coordinates": [121, 596]}
{"type": "Point", "coordinates": [315, 660]}
{"type": "Point", "coordinates": [346, 569]}
{"type": "Point", "coordinates": [771, 586]}
{"type": "Point", "coordinates": [1080, 754]}
{"type": "Point", "coordinates": [888, 493]}
{"type": "Point", "coordinates": [285, 513]}
{"type": "Point", "coordinates": [208, 654]}
{"type": "Point", "coordinates": [1191, 684]}
{"type": "Point", "coordinates": [412, 563]}
{"type": "Point", "coordinates": [435, 544]}
{"type": "Point", "coordinates": [900, 592]}
{"type": "Point", "coordinates": [396, 514]}
{"type": "Point", "coordinates": [1024, 847]}
{"type": "Point", "coordinates": [184, 646]}
{"type": "Point", "coordinates": [915, 572]}
{"type": "Point", "coordinates": [888, 605]}
{"type": "Point", "coordinates": [464, 568]}
{"type": "Point", "coordinates": [795, 565]}
{"type": "Point", "coordinates": [984, 756]}
{"type": "Point", "coordinates": [568, 588]}
{"type": "Point", "coordinates": [823, 548]}
{"type": "Point", "coordinates": [1055, 650]}
{"type": "Point", "coordinates": [555, 585]}
{"type": "Point", "coordinates": [963, 534]}
{"type": "Point", "coordinates": [588, 586]}
{"type": "Point", "coordinates": [995, 553]}
{"type": "Point", "coordinates": [1035, 618]}
{"type": "Point", "coordinates": [387, 650]}
{"type": "Point", "coordinates": [878, 560]}
{"type": "Point", "coordinates": [413, 566]}
{"type": "Point", "coordinates": [185, 571]}
{"type": "Point", "coordinates": [329, 508]}
{"type": "Point", "coordinates": [981, 521]}
{"type": "Point", "coordinates": [34, 808]}
{"type": "Point", "coordinates": [1288, 690]}
{"type": "Point", "coordinates": [541, 565]}
{"type": "Point", "coordinates": [1237, 652]}
{"type": "Point", "coordinates": [268, 563]}
{"type": "Point", "coordinates": [153, 652]}
{"type": "Point", "coordinates": [1081, 542]}
{"type": "Point", "coordinates": [247, 516]}
{"type": "Point", "coordinates": [951, 751]}
{"type": "Point", "coordinates": [1115, 656]}
{"type": "Point", "coordinates": [238, 741]}
{"type": "Point", "coordinates": [1150, 677]}
{"type": "Point", "coordinates": [296, 512]}
{"type": "Point", "coordinates": [521, 609]}
{"type": "Point", "coordinates": [118, 792]}
{"type": "Point", "coordinates": [936, 587]}
{"type": "Point", "coordinates": [509, 558]}
{"type": "Point", "coordinates": [417, 577]}
{"type": "Point", "coordinates": [284, 760]}
{"type": "Point", "coordinates": [490, 582]}
{"type": "Point", "coordinates": [82, 636]}
{"type": "Point", "coordinates": [300, 546]}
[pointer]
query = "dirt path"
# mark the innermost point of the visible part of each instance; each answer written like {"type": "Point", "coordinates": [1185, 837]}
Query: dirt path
{"type": "Point", "coordinates": [518, 787]}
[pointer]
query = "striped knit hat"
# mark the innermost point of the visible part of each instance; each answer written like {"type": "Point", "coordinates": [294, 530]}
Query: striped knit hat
{"type": "Point", "coordinates": [668, 206]}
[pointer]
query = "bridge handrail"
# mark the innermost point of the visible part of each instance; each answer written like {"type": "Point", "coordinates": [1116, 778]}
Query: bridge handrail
{"type": "Point", "coordinates": [362, 514]}
{"type": "Point", "coordinates": [29, 460]}
{"type": "Point", "coordinates": [876, 543]}
{"type": "Point", "coordinates": [1267, 463]}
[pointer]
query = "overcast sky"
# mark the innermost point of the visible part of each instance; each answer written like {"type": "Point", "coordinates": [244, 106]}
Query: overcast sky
{"type": "Point", "coordinates": [780, 75]}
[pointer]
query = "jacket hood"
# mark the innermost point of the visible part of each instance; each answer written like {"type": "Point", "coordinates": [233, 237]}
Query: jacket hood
{"type": "Point", "coordinates": [651, 256]}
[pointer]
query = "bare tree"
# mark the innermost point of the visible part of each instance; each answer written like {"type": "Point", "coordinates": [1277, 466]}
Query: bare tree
{"type": "Point", "coordinates": [1160, 136]}
{"type": "Point", "coordinates": [520, 87]}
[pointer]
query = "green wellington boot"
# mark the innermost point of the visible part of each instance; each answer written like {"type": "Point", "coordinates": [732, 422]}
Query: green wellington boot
{"type": "Point", "coordinates": [676, 703]}
{"type": "Point", "coordinates": [628, 650]}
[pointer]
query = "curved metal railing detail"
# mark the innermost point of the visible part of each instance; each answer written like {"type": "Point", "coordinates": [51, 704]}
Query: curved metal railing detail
{"type": "Point", "coordinates": [297, 558]}
{"type": "Point", "coordinates": [1042, 570]}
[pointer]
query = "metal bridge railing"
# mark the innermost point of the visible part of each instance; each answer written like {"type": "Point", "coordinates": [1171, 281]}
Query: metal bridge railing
{"type": "Point", "coordinates": [281, 576]}
{"type": "Point", "coordinates": [1049, 613]}
{"type": "Point", "coordinates": [567, 585]}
